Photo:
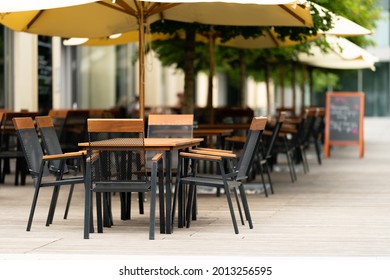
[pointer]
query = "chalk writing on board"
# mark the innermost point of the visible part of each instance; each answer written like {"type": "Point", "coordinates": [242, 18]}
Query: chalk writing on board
{"type": "Point", "coordinates": [344, 118]}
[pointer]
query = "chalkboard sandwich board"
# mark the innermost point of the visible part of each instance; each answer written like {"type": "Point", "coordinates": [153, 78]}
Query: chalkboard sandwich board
{"type": "Point", "coordinates": [344, 120]}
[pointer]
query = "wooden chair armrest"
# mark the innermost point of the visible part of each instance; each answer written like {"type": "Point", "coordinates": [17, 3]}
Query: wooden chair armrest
{"type": "Point", "coordinates": [216, 150]}
{"type": "Point", "coordinates": [213, 153]}
{"type": "Point", "coordinates": [94, 156]}
{"type": "Point", "coordinates": [200, 156]}
{"type": "Point", "coordinates": [157, 157]}
{"type": "Point", "coordinates": [64, 155]}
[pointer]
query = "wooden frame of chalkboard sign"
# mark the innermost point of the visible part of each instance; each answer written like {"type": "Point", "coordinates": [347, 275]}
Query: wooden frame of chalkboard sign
{"type": "Point", "coordinates": [344, 120]}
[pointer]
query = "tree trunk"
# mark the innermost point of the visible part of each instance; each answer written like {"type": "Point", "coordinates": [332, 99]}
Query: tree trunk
{"type": "Point", "coordinates": [281, 84]}
{"type": "Point", "coordinates": [303, 83]}
{"type": "Point", "coordinates": [189, 73]}
{"type": "Point", "coordinates": [211, 76]}
{"type": "Point", "coordinates": [267, 89]}
{"type": "Point", "coordinates": [293, 84]}
{"type": "Point", "coordinates": [242, 78]}
{"type": "Point", "coordinates": [311, 86]}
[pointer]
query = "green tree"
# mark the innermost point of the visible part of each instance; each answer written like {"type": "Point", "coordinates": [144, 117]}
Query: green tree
{"type": "Point", "coordinates": [192, 56]}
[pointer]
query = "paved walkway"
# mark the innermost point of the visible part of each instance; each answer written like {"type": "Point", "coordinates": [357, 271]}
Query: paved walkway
{"type": "Point", "coordinates": [339, 209]}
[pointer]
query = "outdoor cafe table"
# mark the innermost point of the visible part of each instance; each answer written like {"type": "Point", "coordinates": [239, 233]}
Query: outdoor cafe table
{"type": "Point", "coordinates": [167, 145]}
{"type": "Point", "coordinates": [208, 133]}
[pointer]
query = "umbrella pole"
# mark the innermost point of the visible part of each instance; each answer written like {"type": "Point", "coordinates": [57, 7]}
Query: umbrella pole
{"type": "Point", "coordinates": [211, 76]}
{"type": "Point", "coordinates": [141, 57]}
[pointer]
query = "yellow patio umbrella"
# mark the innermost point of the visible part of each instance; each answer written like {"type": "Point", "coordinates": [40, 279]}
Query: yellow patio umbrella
{"type": "Point", "coordinates": [343, 54]}
{"type": "Point", "coordinates": [116, 39]}
{"type": "Point", "coordinates": [28, 5]}
{"type": "Point", "coordinates": [341, 27]}
{"type": "Point", "coordinates": [106, 17]}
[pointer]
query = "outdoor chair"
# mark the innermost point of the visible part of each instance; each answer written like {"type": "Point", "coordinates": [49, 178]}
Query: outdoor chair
{"type": "Point", "coordinates": [119, 165]}
{"type": "Point", "coordinates": [229, 180]}
{"type": "Point", "coordinates": [263, 157]}
{"type": "Point", "coordinates": [10, 148]}
{"type": "Point", "coordinates": [265, 151]}
{"type": "Point", "coordinates": [318, 133]}
{"type": "Point", "coordinates": [291, 142]}
{"type": "Point", "coordinates": [303, 139]}
{"type": "Point", "coordinates": [73, 130]}
{"type": "Point", "coordinates": [52, 146]}
{"type": "Point", "coordinates": [38, 166]}
{"type": "Point", "coordinates": [170, 126]}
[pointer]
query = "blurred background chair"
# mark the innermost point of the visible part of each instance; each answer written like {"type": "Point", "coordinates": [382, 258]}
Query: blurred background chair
{"type": "Point", "coordinates": [73, 130]}
{"type": "Point", "coordinates": [10, 148]}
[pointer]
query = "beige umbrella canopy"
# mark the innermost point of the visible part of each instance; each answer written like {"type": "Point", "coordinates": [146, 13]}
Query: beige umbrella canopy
{"type": "Point", "coordinates": [341, 27]}
{"type": "Point", "coordinates": [107, 17]}
{"type": "Point", "coordinates": [28, 5]}
{"type": "Point", "coordinates": [343, 54]}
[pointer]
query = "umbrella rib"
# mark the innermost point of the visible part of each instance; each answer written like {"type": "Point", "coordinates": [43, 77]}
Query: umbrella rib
{"type": "Point", "coordinates": [34, 19]}
{"type": "Point", "coordinates": [272, 36]}
{"type": "Point", "coordinates": [288, 10]}
{"type": "Point", "coordinates": [123, 7]}
{"type": "Point", "coordinates": [157, 8]}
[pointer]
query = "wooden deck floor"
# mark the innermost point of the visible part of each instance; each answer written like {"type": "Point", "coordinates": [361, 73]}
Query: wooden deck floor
{"type": "Point", "coordinates": [338, 209]}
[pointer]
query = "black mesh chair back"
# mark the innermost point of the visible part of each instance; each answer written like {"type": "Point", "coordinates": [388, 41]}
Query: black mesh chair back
{"type": "Point", "coordinates": [74, 130]}
{"type": "Point", "coordinates": [308, 127]}
{"type": "Point", "coordinates": [58, 117]}
{"type": "Point", "coordinates": [38, 166]}
{"type": "Point", "coordinates": [10, 148]}
{"type": "Point", "coordinates": [270, 143]}
{"type": "Point", "coordinates": [118, 164]}
{"type": "Point", "coordinates": [31, 147]}
{"type": "Point", "coordinates": [227, 179]}
{"type": "Point", "coordinates": [50, 140]}
{"type": "Point", "coordinates": [318, 132]}
{"type": "Point", "coordinates": [170, 126]}
{"type": "Point", "coordinates": [52, 146]}
{"type": "Point", "coordinates": [251, 147]}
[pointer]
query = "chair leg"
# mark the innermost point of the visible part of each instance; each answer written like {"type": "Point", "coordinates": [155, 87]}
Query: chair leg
{"type": "Point", "coordinates": [188, 214]}
{"type": "Point", "coordinates": [305, 164]}
{"type": "Point", "coordinates": [53, 204]}
{"type": "Point", "coordinates": [245, 205]}
{"type": "Point", "coordinates": [161, 204]}
{"type": "Point", "coordinates": [194, 205]}
{"type": "Point", "coordinates": [152, 217]}
{"type": "Point", "coordinates": [269, 177]}
{"type": "Point", "coordinates": [229, 200]}
{"type": "Point", "coordinates": [125, 204]}
{"type": "Point", "coordinates": [99, 216]}
{"type": "Point", "coordinates": [291, 167]}
{"type": "Point", "coordinates": [33, 205]}
{"type": "Point", "coordinates": [238, 206]}
{"type": "Point", "coordinates": [18, 168]}
{"type": "Point", "coordinates": [68, 201]}
{"type": "Point", "coordinates": [107, 219]}
{"type": "Point", "coordinates": [263, 181]}
{"type": "Point", "coordinates": [141, 196]}
{"type": "Point", "coordinates": [318, 151]}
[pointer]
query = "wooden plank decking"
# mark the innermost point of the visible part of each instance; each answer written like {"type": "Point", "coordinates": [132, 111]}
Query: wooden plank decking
{"type": "Point", "coordinates": [339, 209]}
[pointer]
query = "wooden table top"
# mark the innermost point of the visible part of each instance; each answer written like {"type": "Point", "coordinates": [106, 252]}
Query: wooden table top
{"type": "Point", "coordinates": [149, 143]}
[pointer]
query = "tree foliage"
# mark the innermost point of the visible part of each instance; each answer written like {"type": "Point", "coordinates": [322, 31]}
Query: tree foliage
{"type": "Point", "coordinates": [172, 52]}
